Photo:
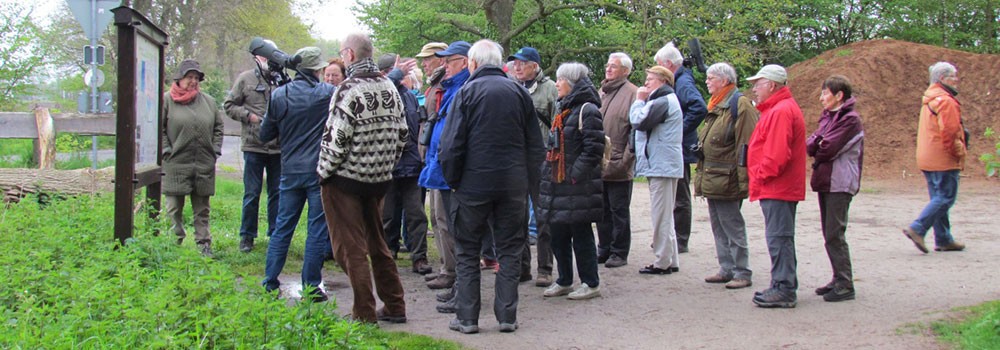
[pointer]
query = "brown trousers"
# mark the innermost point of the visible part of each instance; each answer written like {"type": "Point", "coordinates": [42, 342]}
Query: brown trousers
{"type": "Point", "coordinates": [355, 224]}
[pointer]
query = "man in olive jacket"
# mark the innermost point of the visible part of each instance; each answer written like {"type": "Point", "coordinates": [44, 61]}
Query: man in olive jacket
{"type": "Point", "coordinates": [247, 104]}
{"type": "Point", "coordinates": [614, 230]}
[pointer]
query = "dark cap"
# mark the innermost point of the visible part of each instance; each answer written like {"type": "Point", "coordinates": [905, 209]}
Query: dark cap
{"type": "Point", "coordinates": [455, 48]}
{"type": "Point", "coordinates": [386, 61]}
{"type": "Point", "coordinates": [526, 53]}
{"type": "Point", "coordinates": [187, 66]}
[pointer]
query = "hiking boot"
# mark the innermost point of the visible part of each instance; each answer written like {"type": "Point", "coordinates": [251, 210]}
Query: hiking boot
{"type": "Point", "coordinates": [205, 249]}
{"type": "Point", "coordinates": [464, 326]}
{"type": "Point", "coordinates": [825, 289]}
{"type": "Point", "coordinates": [615, 261]}
{"type": "Point", "coordinates": [717, 278]}
{"type": "Point", "coordinates": [383, 315]}
{"type": "Point", "coordinates": [420, 266]}
{"type": "Point", "coordinates": [954, 246]}
{"type": "Point", "coordinates": [443, 297]}
{"type": "Point", "coordinates": [246, 244]}
{"type": "Point", "coordinates": [774, 298]}
{"type": "Point", "coordinates": [584, 292]}
{"type": "Point", "coordinates": [739, 283]}
{"type": "Point", "coordinates": [441, 282]}
{"type": "Point", "coordinates": [839, 294]}
{"type": "Point", "coordinates": [448, 307]}
{"type": "Point", "coordinates": [555, 290]}
{"type": "Point", "coordinates": [508, 327]}
{"type": "Point", "coordinates": [917, 239]}
{"type": "Point", "coordinates": [543, 280]}
{"type": "Point", "coordinates": [431, 276]}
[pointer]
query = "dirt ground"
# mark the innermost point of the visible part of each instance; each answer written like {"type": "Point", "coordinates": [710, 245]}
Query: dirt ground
{"type": "Point", "coordinates": [899, 289]}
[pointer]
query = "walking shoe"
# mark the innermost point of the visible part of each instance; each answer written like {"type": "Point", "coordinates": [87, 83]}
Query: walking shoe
{"type": "Point", "coordinates": [443, 297]}
{"type": "Point", "coordinates": [954, 246]}
{"type": "Point", "coordinates": [383, 315]}
{"type": "Point", "coordinates": [738, 283]}
{"type": "Point", "coordinates": [717, 278]}
{"type": "Point", "coordinates": [420, 266]}
{"type": "Point", "coordinates": [555, 290]}
{"type": "Point", "coordinates": [246, 244]}
{"type": "Point", "coordinates": [525, 277]}
{"type": "Point", "coordinates": [508, 327]}
{"type": "Point", "coordinates": [603, 258]}
{"type": "Point", "coordinates": [205, 249]}
{"type": "Point", "coordinates": [316, 296]}
{"type": "Point", "coordinates": [615, 261]}
{"type": "Point", "coordinates": [653, 270]}
{"type": "Point", "coordinates": [584, 292]}
{"type": "Point", "coordinates": [543, 280]}
{"type": "Point", "coordinates": [839, 294]}
{"type": "Point", "coordinates": [774, 298]}
{"type": "Point", "coordinates": [464, 326]}
{"type": "Point", "coordinates": [917, 239]}
{"type": "Point", "coordinates": [441, 282]}
{"type": "Point", "coordinates": [825, 289]}
{"type": "Point", "coordinates": [448, 307]}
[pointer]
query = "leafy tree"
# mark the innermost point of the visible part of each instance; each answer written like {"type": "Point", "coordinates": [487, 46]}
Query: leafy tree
{"type": "Point", "coordinates": [20, 53]}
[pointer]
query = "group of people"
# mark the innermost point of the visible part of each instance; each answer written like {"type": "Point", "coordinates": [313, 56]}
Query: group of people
{"type": "Point", "coordinates": [502, 153]}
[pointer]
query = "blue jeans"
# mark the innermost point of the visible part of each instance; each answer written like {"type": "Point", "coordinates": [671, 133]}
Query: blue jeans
{"type": "Point", "coordinates": [943, 189]}
{"type": "Point", "coordinates": [296, 190]}
{"type": "Point", "coordinates": [255, 164]}
{"type": "Point", "coordinates": [532, 224]}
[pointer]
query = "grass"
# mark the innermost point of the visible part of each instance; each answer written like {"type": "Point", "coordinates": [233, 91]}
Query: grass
{"type": "Point", "coordinates": [20, 153]}
{"type": "Point", "coordinates": [978, 328]}
{"type": "Point", "coordinates": [70, 286]}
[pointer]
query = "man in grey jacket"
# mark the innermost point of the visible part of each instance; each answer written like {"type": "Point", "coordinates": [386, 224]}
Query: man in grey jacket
{"type": "Point", "coordinates": [247, 103]}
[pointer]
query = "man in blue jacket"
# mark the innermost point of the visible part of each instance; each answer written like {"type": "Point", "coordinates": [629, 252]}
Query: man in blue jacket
{"type": "Point", "coordinates": [693, 106]}
{"type": "Point", "coordinates": [297, 113]}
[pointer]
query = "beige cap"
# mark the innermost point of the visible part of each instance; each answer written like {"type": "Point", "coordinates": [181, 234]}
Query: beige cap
{"type": "Point", "coordinates": [429, 49]}
{"type": "Point", "coordinates": [771, 72]}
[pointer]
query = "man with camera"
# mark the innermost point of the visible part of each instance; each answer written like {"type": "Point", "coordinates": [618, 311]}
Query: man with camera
{"type": "Point", "coordinates": [247, 103]}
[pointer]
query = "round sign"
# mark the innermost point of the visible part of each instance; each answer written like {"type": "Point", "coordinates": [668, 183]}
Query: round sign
{"type": "Point", "coordinates": [94, 78]}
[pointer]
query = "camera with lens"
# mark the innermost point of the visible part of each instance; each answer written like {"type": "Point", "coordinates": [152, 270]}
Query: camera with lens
{"type": "Point", "coordinates": [277, 60]}
{"type": "Point", "coordinates": [698, 150]}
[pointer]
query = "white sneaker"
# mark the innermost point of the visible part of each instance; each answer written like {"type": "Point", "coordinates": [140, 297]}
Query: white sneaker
{"type": "Point", "coordinates": [556, 290]}
{"type": "Point", "coordinates": [585, 292]}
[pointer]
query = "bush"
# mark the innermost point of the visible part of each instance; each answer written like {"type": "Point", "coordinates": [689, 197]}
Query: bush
{"type": "Point", "coordinates": [67, 284]}
{"type": "Point", "coordinates": [991, 160]}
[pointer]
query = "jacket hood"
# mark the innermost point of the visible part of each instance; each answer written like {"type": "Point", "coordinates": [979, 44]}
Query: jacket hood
{"type": "Point", "coordinates": [847, 106]}
{"type": "Point", "coordinates": [583, 91]}
{"type": "Point", "coordinates": [936, 90]}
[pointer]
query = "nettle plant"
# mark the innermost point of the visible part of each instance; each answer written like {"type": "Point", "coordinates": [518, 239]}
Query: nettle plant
{"type": "Point", "coordinates": [992, 160]}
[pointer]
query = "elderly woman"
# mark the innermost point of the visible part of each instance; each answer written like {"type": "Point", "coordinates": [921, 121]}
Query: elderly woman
{"type": "Point", "coordinates": [728, 126]}
{"type": "Point", "coordinates": [837, 148]}
{"type": "Point", "coordinates": [192, 141]}
{"type": "Point", "coordinates": [333, 74]}
{"type": "Point", "coordinates": [659, 124]}
{"type": "Point", "coordinates": [571, 186]}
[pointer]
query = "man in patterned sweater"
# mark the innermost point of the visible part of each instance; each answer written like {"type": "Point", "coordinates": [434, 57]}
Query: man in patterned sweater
{"type": "Point", "coordinates": [364, 138]}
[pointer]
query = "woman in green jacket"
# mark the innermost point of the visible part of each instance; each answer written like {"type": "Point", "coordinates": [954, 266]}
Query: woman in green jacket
{"type": "Point", "coordinates": [192, 141]}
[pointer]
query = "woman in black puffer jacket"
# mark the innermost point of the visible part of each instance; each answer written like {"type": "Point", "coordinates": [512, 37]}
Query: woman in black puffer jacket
{"type": "Point", "coordinates": [571, 184]}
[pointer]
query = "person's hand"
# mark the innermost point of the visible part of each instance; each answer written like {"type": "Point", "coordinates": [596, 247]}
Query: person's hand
{"type": "Point", "coordinates": [642, 94]}
{"type": "Point", "coordinates": [254, 119]}
{"type": "Point", "coordinates": [405, 65]}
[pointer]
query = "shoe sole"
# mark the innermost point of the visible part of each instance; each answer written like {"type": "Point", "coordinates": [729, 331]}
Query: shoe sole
{"type": "Point", "coordinates": [912, 236]}
{"type": "Point", "coordinates": [774, 305]}
{"type": "Point", "coordinates": [393, 319]}
{"type": "Point", "coordinates": [839, 298]}
{"type": "Point", "coordinates": [561, 293]}
{"type": "Point", "coordinates": [611, 266]}
{"type": "Point", "coordinates": [585, 297]}
{"type": "Point", "coordinates": [508, 328]}
{"type": "Point", "coordinates": [543, 284]}
{"type": "Point", "coordinates": [728, 286]}
{"type": "Point", "coordinates": [464, 329]}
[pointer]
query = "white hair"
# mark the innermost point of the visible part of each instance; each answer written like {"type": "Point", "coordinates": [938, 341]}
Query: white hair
{"type": "Point", "coordinates": [486, 53]}
{"type": "Point", "coordinates": [941, 70]}
{"type": "Point", "coordinates": [623, 58]}
{"type": "Point", "coordinates": [723, 70]}
{"type": "Point", "coordinates": [417, 77]}
{"type": "Point", "coordinates": [669, 53]}
{"type": "Point", "coordinates": [572, 72]}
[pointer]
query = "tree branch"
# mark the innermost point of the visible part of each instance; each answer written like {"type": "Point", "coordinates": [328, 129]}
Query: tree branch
{"type": "Point", "coordinates": [543, 12]}
{"type": "Point", "coordinates": [465, 27]}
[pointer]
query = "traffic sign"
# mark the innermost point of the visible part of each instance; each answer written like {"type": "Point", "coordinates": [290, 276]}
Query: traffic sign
{"type": "Point", "coordinates": [93, 56]}
{"type": "Point", "coordinates": [94, 78]}
{"type": "Point", "coordinates": [83, 11]}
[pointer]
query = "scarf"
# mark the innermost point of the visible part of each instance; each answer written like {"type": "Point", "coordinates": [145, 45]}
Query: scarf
{"type": "Point", "coordinates": [557, 155]}
{"type": "Point", "coordinates": [366, 65]}
{"type": "Point", "coordinates": [607, 86]}
{"type": "Point", "coordinates": [720, 95]}
{"type": "Point", "coordinates": [182, 95]}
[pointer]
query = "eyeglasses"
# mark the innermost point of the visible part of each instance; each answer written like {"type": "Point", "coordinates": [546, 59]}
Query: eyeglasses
{"type": "Point", "coordinates": [613, 66]}
{"type": "Point", "coordinates": [341, 53]}
{"type": "Point", "coordinates": [761, 83]}
{"type": "Point", "coordinates": [519, 63]}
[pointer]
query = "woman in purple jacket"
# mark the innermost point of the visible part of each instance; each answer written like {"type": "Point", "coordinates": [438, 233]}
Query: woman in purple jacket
{"type": "Point", "coordinates": [837, 147]}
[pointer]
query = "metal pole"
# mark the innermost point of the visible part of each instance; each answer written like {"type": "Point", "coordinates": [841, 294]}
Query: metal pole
{"type": "Point", "coordinates": [93, 78]}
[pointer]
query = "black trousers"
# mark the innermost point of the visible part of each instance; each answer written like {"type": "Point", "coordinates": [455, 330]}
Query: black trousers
{"type": "Point", "coordinates": [682, 208]}
{"type": "Point", "coordinates": [614, 230]}
{"type": "Point", "coordinates": [833, 208]}
{"type": "Point", "coordinates": [472, 216]}
{"type": "Point", "coordinates": [406, 192]}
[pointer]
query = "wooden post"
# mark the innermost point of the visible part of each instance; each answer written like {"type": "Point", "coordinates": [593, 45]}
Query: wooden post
{"type": "Point", "coordinates": [46, 146]}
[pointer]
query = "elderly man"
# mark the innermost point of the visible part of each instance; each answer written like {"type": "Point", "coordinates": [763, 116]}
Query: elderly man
{"type": "Point", "coordinates": [527, 71]}
{"type": "Point", "coordinates": [491, 144]}
{"type": "Point", "coordinates": [776, 167]}
{"type": "Point", "coordinates": [941, 151]}
{"type": "Point", "coordinates": [247, 103]}
{"type": "Point", "coordinates": [614, 230]}
{"type": "Point", "coordinates": [694, 109]}
{"type": "Point", "coordinates": [364, 137]}
{"type": "Point", "coordinates": [296, 115]}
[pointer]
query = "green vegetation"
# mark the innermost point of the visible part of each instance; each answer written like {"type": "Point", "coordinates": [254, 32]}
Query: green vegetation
{"type": "Point", "coordinates": [978, 329]}
{"type": "Point", "coordinates": [70, 286]}
{"type": "Point", "coordinates": [19, 153]}
{"type": "Point", "coordinates": [992, 160]}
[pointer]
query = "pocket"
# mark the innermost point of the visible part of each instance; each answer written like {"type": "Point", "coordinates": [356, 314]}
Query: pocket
{"type": "Point", "coordinates": [719, 180]}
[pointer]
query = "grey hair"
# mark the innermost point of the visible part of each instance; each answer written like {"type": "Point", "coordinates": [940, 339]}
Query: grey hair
{"type": "Point", "coordinates": [417, 76]}
{"type": "Point", "coordinates": [941, 70]}
{"type": "Point", "coordinates": [486, 52]}
{"type": "Point", "coordinates": [669, 53]}
{"type": "Point", "coordinates": [723, 70]}
{"type": "Point", "coordinates": [572, 72]}
{"type": "Point", "coordinates": [361, 43]}
{"type": "Point", "coordinates": [623, 57]}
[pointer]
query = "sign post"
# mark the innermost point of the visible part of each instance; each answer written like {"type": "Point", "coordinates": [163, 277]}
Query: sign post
{"type": "Point", "coordinates": [138, 143]}
{"type": "Point", "coordinates": [94, 16]}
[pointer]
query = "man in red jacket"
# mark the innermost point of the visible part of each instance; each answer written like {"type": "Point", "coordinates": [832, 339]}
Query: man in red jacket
{"type": "Point", "coordinates": [776, 165]}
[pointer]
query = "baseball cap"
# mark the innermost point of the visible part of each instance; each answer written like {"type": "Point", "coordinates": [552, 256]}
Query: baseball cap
{"type": "Point", "coordinates": [455, 48]}
{"type": "Point", "coordinates": [429, 49]}
{"type": "Point", "coordinates": [386, 61]}
{"type": "Point", "coordinates": [311, 58]}
{"type": "Point", "coordinates": [771, 72]}
{"type": "Point", "coordinates": [526, 53]}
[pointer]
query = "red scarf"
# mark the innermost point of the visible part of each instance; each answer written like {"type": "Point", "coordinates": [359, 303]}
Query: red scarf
{"type": "Point", "coordinates": [182, 95]}
{"type": "Point", "coordinates": [557, 156]}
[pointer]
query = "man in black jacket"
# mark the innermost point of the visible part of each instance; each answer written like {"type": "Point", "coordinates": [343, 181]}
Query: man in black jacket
{"type": "Point", "coordinates": [489, 146]}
